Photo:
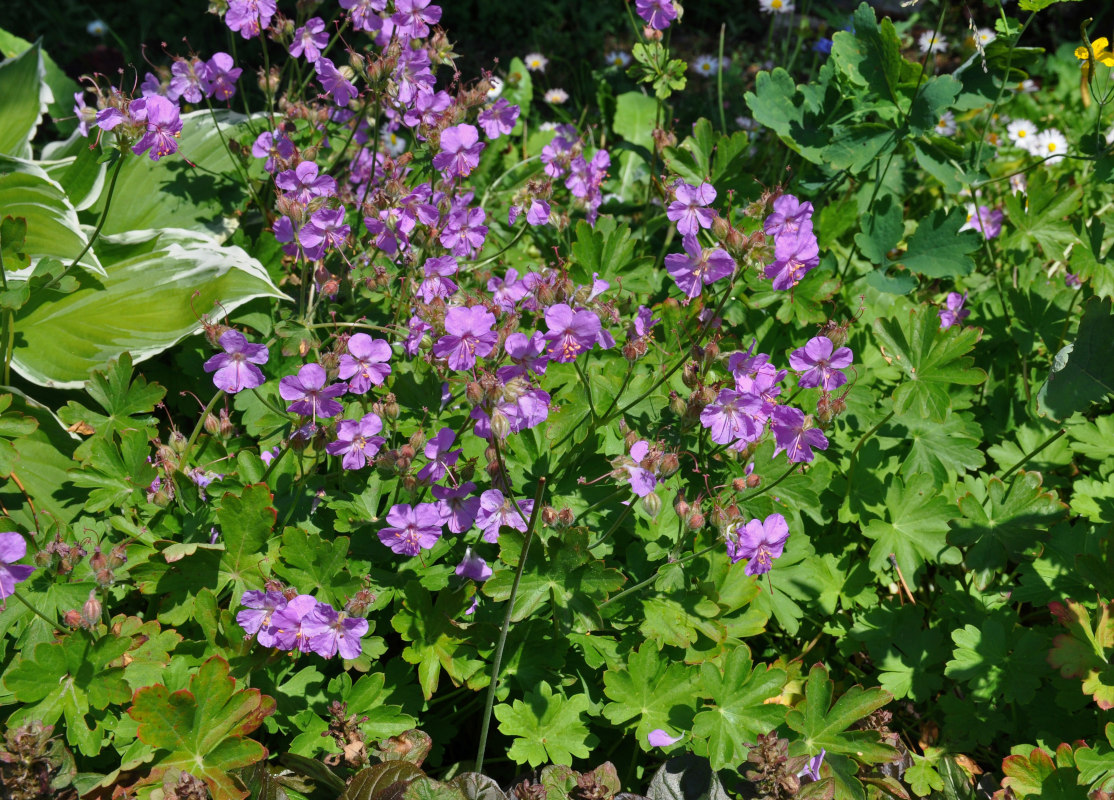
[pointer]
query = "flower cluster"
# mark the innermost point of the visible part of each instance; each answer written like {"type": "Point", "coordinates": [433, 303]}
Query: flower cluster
{"type": "Point", "coordinates": [796, 251]}
{"type": "Point", "coordinates": [1049, 144]}
{"type": "Point", "coordinates": [290, 621]}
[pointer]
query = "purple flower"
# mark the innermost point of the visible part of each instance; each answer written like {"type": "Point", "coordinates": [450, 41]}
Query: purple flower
{"type": "Point", "coordinates": [185, 80]}
{"type": "Point", "coordinates": [758, 542]}
{"type": "Point", "coordinates": [469, 335]}
{"type": "Point", "coordinates": [290, 625]}
{"type": "Point", "coordinates": [734, 415]}
{"type": "Point", "coordinates": [333, 82]}
{"type": "Point", "coordinates": [789, 216]}
{"type": "Point", "coordinates": [151, 85]}
{"type": "Point", "coordinates": [218, 78]}
{"type": "Point", "coordinates": [248, 17]}
{"type": "Point", "coordinates": [657, 13]}
{"type": "Point", "coordinates": [794, 257]}
{"type": "Point", "coordinates": [308, 394]}
{"type": "Point", "coordinates": [260, 606]}
{"type": "Point", "coordinates": [86, 115]}
{"type": "Point", "coordinates": [417, 328]}
{"type": "Point", "coordinates": [643, 322]}
{"type": "Point", "coordinates": [571, 332]}
{"type": "Point", "coordinates": [13, 547]}
{"type": "Point", "coordinates": [363, 14]}
{"type": "Point", "coordinates": [272, 146]}
{"type": "Point", "coordinates": [507, 292]}
{"type": "Point", "coordinates": [497, 511]}
{"type": "Point", "coordinates": [473, 567]}
{"type": "Point", "coordinates": [659, 738]}
{"type": "Point", "coordinates": [699, 267]}
{"type": "Point", "coordinates": [356, 441]}
{"type": "Point", "coordinates": [437, 282]}
{"type": "Point", "coordinates": [792, 435]}
{"type": "Point", "coordinates": [983, 219]}
{"type": "Point", "coordinates": [465, 232]}
{"type": "Point", "coordinates": [460, 151]}
{"type": "Point", "coordinates": [412, 530]}
{"type": "Point", "coordinates": [427, 109]}
{"type": "Point", "coordinates": [331, 632]}
{"type": "Point", "coordinates": [413, 18]}
{"type": "Point", "coordinates": [538, 214]}
{"type": "Point", "coordinates": [642, 481]}
{"type": "Point", "coordinates": [364, 365]}
{"type": "Point", "coordinates": [812, 768]}
{"type": "Point", "coordinates": [527, 353]}
{"type": "Point", "coordinates": [413, 75]}
{"type": "Point", "coordinates": [688, 210]}
{"type": "Point", "coordinates": [499, 119]}
{"type": "Point", "coordinates": [310, 40]}
{"type": "Point", "coordinates": [163, 126]}
{"type": "Point", "coordinates": [459, 506]}
{"type": "Point", "coordinates": [819, 365]}
{"type": "Point", "coordinates": [305, 183]}
{"type": "Point", "coordinates": [1072, 281]}
{"type": "Point", "coordinates": [325, 229]}
{"type": "Point", "coordinates": [954, 312]}
{"type": "Point", "coordinates": [441, 455]}
{"type": "Point", "coordinates": [235, 367]}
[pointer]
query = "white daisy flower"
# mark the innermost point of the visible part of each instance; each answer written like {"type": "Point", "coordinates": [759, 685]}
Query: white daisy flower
{"type": "Point", "coordinates": [535, 62]}
{"type": "Point", "coordinates": [945, 126]}
{"type": "Point", "coordinates": [496, 87]}
{"type": "Point", "coordinates": [776, 6]}
{"type": "Point", "coordinates": [556, 96]}
{"type": "Point", "coordinates": [1050, 145]}
{"type": "Point", "coordinates": [985, 36]}
{"type": "Point", "coordinates": [1022, 133]}
{"type": "Point", "coordinates": [1027, 86]}
{"type": "Point", "coordinates": [394, 143]}
{"type": "Point", "coordinates": [617, 58]}
{"type": "Point", "coordinates": [705, 65]}
{"type": "Point", "coordinates": [932, 42]}
{"type": "Point", "coordinates": [1018, 184]}
{"type": "Point", "coordinates": [96, 28]}
{"type": "Point", "coordinates": [548, 126]}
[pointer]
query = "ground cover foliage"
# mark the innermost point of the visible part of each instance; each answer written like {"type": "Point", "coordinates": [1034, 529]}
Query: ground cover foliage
{"type": "Point", "coordinates": [713, 427]}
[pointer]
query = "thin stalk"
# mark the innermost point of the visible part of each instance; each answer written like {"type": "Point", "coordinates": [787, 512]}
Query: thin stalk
{"type": "Point", "coordinates": [100, 223]}
{"type": "Point", "coordinates": [200, 424]}
{"type": "Point", "coordinates": [19, 596]}
{"type": "Point", "coordinates": [654, 577]}
{"type": "Point", "coordinates": [587, 388]}
{"type": "Point", "coordinates": [9, 327]}
{"type": "Point", "coordinates": [1025, 458]}
{"type": "Point", "coordinates": [238, 164]}
{"type": "Point", "coordinates": [497, 662]}
{"type": "Point", "coordinates": [858, 447]}
{"type": "Point", "coordinates": [719, 81]}
{"type": "Point", "coordinates": [615, 526]}
{"type": "Point", "coordinates": [1001, 92]}
{"type": "Point", "coordinates": [766, 487]}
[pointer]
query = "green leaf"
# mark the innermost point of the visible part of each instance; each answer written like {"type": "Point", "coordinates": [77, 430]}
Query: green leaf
{"type": "Point", "coordinates": [871, 56]}
{"type": "Point", "coordinates": [994, 662]}
{"type": "Point", "coordinates": [652, 691]}
{"type": "Point", "coordinates": [827, 725]}
{"type": "Point", "coordinates": [122, 402]}
{"type": "Point", "coordinates": [519, 87]}
{"type": "Point", "coordinates": [61, 85]}
{"type": "Point", "coordinates": [312, 563]}
{"type": "Point", "coordinates": [367, 699]}
{"type": "Point", "coordinates": [881, 230]}
{"type": "Point", "coordinates": [739, 711]}
{"type": "Point", "coordinates": [915, 528]}
{"type": "Point", "coordinates": [1084, 651]}
{"type": "Point", "coordinates": [245, 524]}
{"type": "Point", "coordinates": [67, 678]}
{"type": "Point", "coordinates": [943, 450]}
{"type": "Point", "coordinates": [608, 250]}
{"type": "Point", "coordinates": [23, 99]}
{"type": "Point", "coordinates": [1009, 523]}
{"type": "Point", "coordinates": [117, 474]}
{"type": "Point", "coordinates": [53, 230]}
{"type": "Point", "coordinates": [144, 306]}
{"type": "Point", "coordinates": [931, 359]}
{"type": "Point", "coordinates": [563, 573]}
{"type": "Point", "coordinates": [1090, 263]}
{"type": "Point", "coordinates": [436, 642]}
{"type": "Point", "coordinates": [1037, 775]}
{"type": "Point", "coordinates": [635, 114]}
{"type": "Point", "coordinates": [158, 195]}
{"type": "Point", "coordinates": [1041, 215]}
{"type": "Point", "coordinates": [1096, 764]}
{"type": "Point", "coordinates": [938, 249]}
{"type": "Point", "coordinates": [203, 729]}
{"type": "Point", "coordinates": [1082, 372]}
{"type": "Point", "coordinates": [371, 782]}
{"type": "Point", "coordinates": [935, 96]}
{"type": "Point", "coordinates": [922, 777]}
{"type": "Point", "coordinates": [1040, 5]}
{"type": "Point", "coordinates": [547, 727]}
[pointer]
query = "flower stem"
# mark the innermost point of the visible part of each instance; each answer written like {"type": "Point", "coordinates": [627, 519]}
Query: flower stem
{"type": "Point", "coordinates": [505, 628]}
{"type": "Point", "coordinates": [199, 426]}
{"type": "Point", "coordinates": [654, 577]}
{"type": "Point", "coordinates": [19, 596]}
{"type": "Point", "coordinates": [1025, 458]}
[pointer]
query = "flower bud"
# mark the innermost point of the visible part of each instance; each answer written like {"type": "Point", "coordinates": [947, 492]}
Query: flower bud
{"type": "Point", "coordinates": [72, 619]}
{"type": "Point", "coordinates": [390, 406]}
{"type": "Point", "coordinates": [680, 505]}
{"type": "Point", "coordinates": [474, 392]}
{"type": "Point", "coordinates": [735, 243]}
{"type": "Point", "coordinates": [359, 603]}
{"type": "Point", "coordinates": [676, 404]}
{"type": "Point", "coordinates": [651, 504]}
{"type": "Point", "coordinates": [663, 139]}
{"type": "Point", "coordinates": [753, 481]}
{"type": "Point", "coordinates": [119, 556]}
{"type": "Point", "coordinates": [549, 515]}
{"type": "Point", "coordinates": [227, 429]}
{"type": "Point", "coordinates": [417, 441]}
{"type": "Point", "coordinates": [565, 517]}
{"type": "Point", "coordinates": [500, 425]}
{"type": "Point", "coordinates": [212, 425]}
{"type": "Point", "coordinates": [690, 374]}
{"type": "Point", "coordinates": [668, 465]}
{"type": "Point", "coordinates": [711, 353]}
{"type": "Point", "coordinates": [91, 611]}
{"type": "Point", "coordinates": [97, 561]}
{"type": "Point", "coordinates": [695, 520]}
{"type": "Point", "coordinates": [177, 442]}
{"type": "Point", "coordinates": [167, 457]}
{"type": "Point", "coordinates": [721, 227]}
{"type": "Point", "coordinates": [836, 332]}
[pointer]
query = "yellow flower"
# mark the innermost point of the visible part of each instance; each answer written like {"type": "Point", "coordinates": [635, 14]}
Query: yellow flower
{"type": "Point", "coordinates": [1103, 53]}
